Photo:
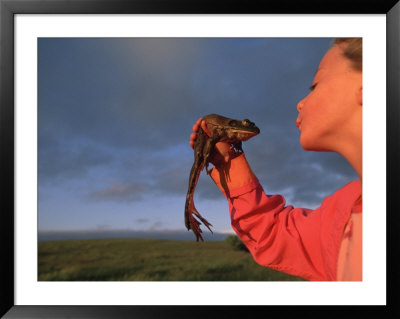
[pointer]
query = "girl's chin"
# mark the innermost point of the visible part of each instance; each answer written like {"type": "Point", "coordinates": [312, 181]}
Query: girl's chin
{"type": "Point", "coordinates": [304, 142]}
{"type": "Point", "coordinates": [308, 144]}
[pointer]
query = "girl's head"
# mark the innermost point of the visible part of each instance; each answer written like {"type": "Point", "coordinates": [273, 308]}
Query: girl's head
{"type": "Point", "coordinates": [330, 116]}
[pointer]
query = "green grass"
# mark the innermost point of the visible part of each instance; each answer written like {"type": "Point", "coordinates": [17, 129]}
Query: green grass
{"type": "Point", "coordinates": [148, 260]}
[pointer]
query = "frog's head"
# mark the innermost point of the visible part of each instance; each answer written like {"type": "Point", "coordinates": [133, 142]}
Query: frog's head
{"type": "Point", "coordinates": [230, 129]}
{"type": "Point", "coordinates": [244, 129]}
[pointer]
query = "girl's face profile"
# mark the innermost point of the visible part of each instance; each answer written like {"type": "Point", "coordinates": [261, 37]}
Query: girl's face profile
{"type": "Point", "coordinates": [328, 112]}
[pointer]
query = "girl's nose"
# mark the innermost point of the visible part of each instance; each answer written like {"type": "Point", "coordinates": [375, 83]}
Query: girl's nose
{"type": "Point", "coordinates": [300, 105]}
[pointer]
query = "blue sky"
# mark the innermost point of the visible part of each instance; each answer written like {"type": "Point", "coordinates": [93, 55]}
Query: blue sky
{"type": "Point", "coordinates": [115, 117]}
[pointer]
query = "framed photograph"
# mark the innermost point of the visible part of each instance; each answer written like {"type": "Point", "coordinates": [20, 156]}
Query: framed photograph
{"type": "Point", "coordinates": [98, 100]}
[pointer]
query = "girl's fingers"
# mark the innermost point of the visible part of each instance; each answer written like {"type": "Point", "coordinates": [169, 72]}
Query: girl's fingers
{"type": "Point", "coordinates": [196, 125]}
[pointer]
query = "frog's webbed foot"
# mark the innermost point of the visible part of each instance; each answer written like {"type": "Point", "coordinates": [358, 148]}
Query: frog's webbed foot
{"type": "Point", "coordinates": [195, 227]}
{"type": "Point", "coordinates": [237, 147]}
{"type": "Point", "coordinates": [194, 224]}
{"type": "Point", "coordinates": [205, 221]}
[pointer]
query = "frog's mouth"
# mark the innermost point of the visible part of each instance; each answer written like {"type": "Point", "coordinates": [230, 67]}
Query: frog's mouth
{"type": "Point", "coordinates": [243, 135]}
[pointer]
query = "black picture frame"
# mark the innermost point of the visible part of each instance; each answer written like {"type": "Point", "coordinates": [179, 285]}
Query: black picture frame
{"type": "Point", "coordinates": [8, 10]}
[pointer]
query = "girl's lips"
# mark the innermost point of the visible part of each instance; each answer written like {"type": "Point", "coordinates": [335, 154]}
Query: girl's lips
{"type": "Point", "coordinates": [298, 124]}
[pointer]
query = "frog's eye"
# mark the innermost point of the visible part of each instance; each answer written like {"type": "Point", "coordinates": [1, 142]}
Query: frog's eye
{"type": "Point", "coordinates": [247, 122]}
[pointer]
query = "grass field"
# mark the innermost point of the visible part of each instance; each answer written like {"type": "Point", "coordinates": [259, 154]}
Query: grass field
{"type": "Point", "coordinates": [148, 260]}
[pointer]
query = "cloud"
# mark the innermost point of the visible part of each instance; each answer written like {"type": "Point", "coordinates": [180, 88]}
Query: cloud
{"type": "Point", "coordinates": [157, 225]}
{"type": "Point", "coordinates": [103, 227]}
{"type": "Point", "coordinates": [118, 193]}
{"type": "Point", "coordinates": [124, 92]}
{"type": "Point", "coordinates": [69, 159]}
{"type": "Point", "coordinates": [141, 220]}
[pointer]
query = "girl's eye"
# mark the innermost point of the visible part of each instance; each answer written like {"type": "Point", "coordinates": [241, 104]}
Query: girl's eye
{"type": "Point", "coordinates": [312, 87]}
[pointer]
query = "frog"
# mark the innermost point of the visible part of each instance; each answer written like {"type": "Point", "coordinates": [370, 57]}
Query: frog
{"type": "Point", "coordinates": [222, 129]}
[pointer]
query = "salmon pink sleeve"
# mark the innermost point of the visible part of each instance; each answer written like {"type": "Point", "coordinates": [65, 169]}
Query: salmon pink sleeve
{"type": "Point", "coordinates": [278, 236]}
{"type": "Point", "coordinates": [281, 237]}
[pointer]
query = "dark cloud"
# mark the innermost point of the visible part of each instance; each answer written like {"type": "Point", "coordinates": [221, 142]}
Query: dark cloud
{"type": "Point", "coordinates": [141, 220]}
{"type": "Point", "coordinates": [157, 225]}
{"type": "Point", "coordinates": [119, 193]}
{"type": "Point", "coordinates": [63, 159]}
{"type": "Point", "coordinates": [122, 92]}
{"type": "Point", "coordinates": [103, 227]}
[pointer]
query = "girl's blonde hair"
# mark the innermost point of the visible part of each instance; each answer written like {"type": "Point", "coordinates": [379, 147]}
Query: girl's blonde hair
{"type": "Point", "coordinates": [352, 49]}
